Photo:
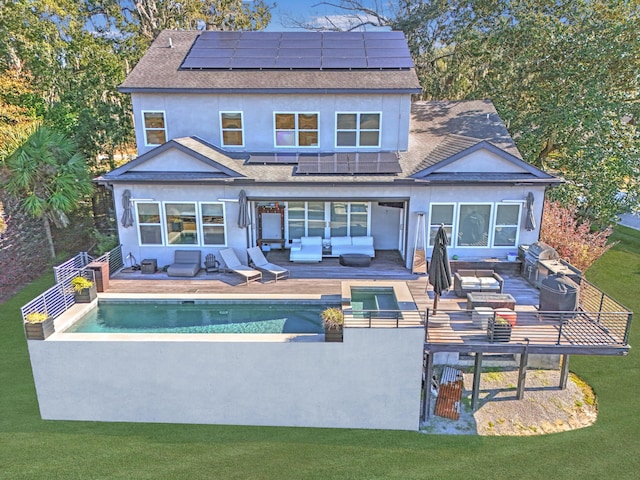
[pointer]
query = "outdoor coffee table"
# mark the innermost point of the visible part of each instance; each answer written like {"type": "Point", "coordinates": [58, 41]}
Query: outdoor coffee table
{"type": "Point", "coordinates": [355, 260]}
{"type": "Point", "coordinates": [493, 300]}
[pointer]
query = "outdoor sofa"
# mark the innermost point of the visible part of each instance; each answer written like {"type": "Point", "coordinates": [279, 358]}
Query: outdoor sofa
{"type": "Point", "coordinates": [344, 245]}
{"type": "Point", "coordinates": [467, 281]}
{"type": "Point", "coordinates": [186, 263]}
{"type": "Point", "coordinates": [309, 249]}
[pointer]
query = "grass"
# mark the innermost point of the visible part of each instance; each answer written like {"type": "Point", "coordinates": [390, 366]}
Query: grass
{"type": "Point", "coordinates": [32, 448]}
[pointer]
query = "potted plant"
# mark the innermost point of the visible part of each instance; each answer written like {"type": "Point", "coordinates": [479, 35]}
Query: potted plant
{"type": "Point", "coordinates": [84, 290]}
{"type": "Point", "coordinates": [333, 323]}
{"type": "Point", "coordinates": [498, 329]}
{"type": "Point", "coordinates": [38, 326]}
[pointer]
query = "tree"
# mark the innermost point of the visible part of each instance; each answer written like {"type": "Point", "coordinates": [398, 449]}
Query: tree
{"type": "Point", "coordinates": [49, 178]}
{"type": "Point", "coordinates": [562, 75]}
{"type": "Point", "coordinates": [573, 240]}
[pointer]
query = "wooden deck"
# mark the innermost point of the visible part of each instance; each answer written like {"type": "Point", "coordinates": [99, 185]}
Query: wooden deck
{"type": "Point", "coordinates": [451, 329]}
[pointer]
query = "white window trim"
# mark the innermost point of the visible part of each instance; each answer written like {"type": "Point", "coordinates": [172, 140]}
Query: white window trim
{"type": "Point", "coordinates": [358, 130]}
{"type": "Point", "coordinates": [489, 227]}
{"type": "Point", "coordinates": [160, 224]}
{"type": "Point", "coordinates": [201, 224]}
{"type": "Point", "coordinates": [144, 127]}
{"type": "Point", "coordinates": [165, 231]}
{"type": "Point", "coordinates": [453, 225]}
{"type": "Point", "coordinates": [516, 226]}
{"type": "Point", "coordinates": [296, 130]}
{"type": "Point", "coordinates": [222, 129]}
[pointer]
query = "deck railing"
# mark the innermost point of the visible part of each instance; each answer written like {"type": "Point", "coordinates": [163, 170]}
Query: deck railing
{"type": "Point", "coordinates": [383, 318]}
{"type": "Point", "coordinates": [59, 298]}
{"type": "Point", "coordinates": [573, 328]}
{"type": "Point", "coordinates": [69, 268]}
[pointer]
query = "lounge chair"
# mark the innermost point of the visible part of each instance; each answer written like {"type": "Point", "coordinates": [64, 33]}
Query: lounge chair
{"type": "Point", "coordinates": [261, 263]}
{"type": "Point", "coordinates": [186, 263]}
{"type": "Point", "coordinates": [234, 264]}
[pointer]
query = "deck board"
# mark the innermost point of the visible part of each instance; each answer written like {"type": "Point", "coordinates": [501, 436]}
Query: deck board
{"type": "Point", "coordinates": [451, 327]}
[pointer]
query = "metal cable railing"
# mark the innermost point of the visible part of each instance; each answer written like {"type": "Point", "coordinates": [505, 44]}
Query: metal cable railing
{"type": "Point", "coordinates": [383, 318]}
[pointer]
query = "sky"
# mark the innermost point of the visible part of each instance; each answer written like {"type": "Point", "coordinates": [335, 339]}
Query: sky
{"type": "Point", "coordinates": [304, 10]}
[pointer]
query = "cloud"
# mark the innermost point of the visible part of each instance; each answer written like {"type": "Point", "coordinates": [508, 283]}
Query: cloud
{"type": "Point", "coordinates": [345, 22]}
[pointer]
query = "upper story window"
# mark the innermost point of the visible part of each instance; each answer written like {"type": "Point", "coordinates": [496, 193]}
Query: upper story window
{"type": "Point", "coordinates": [231, 126]}
{"type": "Point", "coordinates": [155, 130]}
{"type": "Point", "coordinates": [357, 130]}
{"type": "Point", "coordinates": [296, 129]}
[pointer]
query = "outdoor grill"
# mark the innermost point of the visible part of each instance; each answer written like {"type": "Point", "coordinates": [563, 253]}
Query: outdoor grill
{"type": "Point", "coordinates": [537, 251]}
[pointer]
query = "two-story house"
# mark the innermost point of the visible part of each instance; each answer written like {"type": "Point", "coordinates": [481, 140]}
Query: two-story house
{"type": "Point", "coordinates": [320, 132]}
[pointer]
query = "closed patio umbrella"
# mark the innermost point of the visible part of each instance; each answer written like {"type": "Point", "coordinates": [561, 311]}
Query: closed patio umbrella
{"type": "Point", "coordinates": [243, 214]}
{"type": "Point", "coordinates": [530, 222]}
{"type": "Point", "coordinates": [127, 216]}
{"type": "Point", "coordinates": [439, 268]}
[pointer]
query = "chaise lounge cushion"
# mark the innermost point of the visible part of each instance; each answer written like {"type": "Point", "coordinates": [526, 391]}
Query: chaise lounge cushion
{"type": "Point", "coordinates": [186, 263]}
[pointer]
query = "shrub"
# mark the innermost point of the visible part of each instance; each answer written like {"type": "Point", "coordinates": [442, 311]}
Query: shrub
{"type": "Point", "coordinates": [36, 317]}
{"type": "Point", "coordinates": [332, 318]}
{"type": "Point", "coordinates": [80, 283]}
{"type": "Point", "coordinates": [575, 242]}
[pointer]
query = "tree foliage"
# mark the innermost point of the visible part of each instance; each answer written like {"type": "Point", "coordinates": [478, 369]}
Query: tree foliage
{"type": "Point", "coordinates": [49, 178]}
{"type": "Point", "coordinates": [574, 241]}
{"type": "Point", "coordinates": [562, 74]}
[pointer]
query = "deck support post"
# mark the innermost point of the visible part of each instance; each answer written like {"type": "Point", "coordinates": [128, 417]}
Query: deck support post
{"type": "Point", "coordinates": [477, 372]}
{"type": "Point", "coordinates": [426, 390]}
{"type": "Point", "coordinates": [564, 371]}
{"type": "Point", "coordinates": [522, 372]}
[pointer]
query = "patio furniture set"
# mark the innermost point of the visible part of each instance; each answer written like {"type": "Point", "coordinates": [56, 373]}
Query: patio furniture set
{"type": "Point", "coordinates": [353, 251]}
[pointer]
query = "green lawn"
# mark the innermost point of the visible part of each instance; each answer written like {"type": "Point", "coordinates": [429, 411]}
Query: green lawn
{"type": "Point", "coordinates": [34, 449]}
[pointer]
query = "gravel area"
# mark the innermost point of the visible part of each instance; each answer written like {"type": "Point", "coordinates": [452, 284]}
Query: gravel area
{"type": "Point", "coordinates": [544, 409]}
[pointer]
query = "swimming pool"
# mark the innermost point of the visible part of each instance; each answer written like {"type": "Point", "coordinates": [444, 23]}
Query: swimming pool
{"type": "Point", "coordinates": [202, 316]}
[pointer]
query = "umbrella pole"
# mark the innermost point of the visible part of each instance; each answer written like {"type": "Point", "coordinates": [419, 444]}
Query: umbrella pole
{"type": "Point", "coordinates": [435, 303]}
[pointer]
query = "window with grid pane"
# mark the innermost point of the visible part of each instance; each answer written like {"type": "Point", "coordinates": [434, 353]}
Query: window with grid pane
{"type": "Point", "coordinates": [155, 132]}
{"type": "Point", "coordinates": [296, 129]}
{"type": "Point", "coordinates": [358, 129]}
{"type": "Point", "coordinates": [231, 125]}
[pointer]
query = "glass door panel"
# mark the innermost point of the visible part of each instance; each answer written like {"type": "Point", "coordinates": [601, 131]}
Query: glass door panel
{"type": "Point", "coordinates": [315, 219]}
{"type": "Point", "coordinates": [359, 219]}
{"type": "Point", "coordinates": [339, 218]}
{"type": "Point", "coordinates": [296, 215]}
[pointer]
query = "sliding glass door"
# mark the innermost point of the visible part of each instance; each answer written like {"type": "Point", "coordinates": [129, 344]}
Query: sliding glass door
{"type": "Point", "coordinates": [328, 219]}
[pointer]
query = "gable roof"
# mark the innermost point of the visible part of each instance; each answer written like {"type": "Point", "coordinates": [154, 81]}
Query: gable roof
{"type": "Point", "coordinates": [441, 132]}
{"type": "Point", "coordinates": [456, 147]}
{"type": "Point", "coordinates": [216, 163]}
{"type": "Point", "coordinates": [159, 70]}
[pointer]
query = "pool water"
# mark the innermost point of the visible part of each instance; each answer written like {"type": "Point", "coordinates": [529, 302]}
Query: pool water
{"type": "Point", "coordinates": [373, 298]}
{"type": "Point", "coordinates": [222, 316]}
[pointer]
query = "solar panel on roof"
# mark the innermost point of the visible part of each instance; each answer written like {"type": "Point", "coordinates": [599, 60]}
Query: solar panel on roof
{"type": "Point", "coordinates": [348, 62]}
{"type": "Point", "coordinates": [343, 44]}
{"type": "Point", "coordinates": [349, 163]}
{"type": "Point", "coordinates": [298, 62]}
{"type": "Point", "coordinates": [389, 62]}
{"type": "Point", "coordinates": [256, 52]}
{"type": "Point", "coordinates": [273, 158]}
{"type": "Point", "coordinates": [343, 52]}
{"type": "Point", "coordinates": [298, 50]}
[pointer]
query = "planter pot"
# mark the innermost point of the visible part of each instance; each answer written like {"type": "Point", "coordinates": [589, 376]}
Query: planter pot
{"type": "Point", "coordinates": [39, 330]}
{"type": "Point", "coordinates": [86, 295]}
{"type": "Point", "coordinates": [333, 335]}
{"type": "Point", "coordinates": [498, 332]}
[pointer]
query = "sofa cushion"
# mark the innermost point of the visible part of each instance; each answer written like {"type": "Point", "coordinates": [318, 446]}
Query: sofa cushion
{"type": "Point", "coordinates": [466, 273]}
{"type": "Point", "coordinates": [340, 241]}
{"type": "Point", "coordinates": [362, 241]}
{"type": "Point", "coordinates": [311, 241]}
{"type": "Point", "coordinates": [470, 282]}
{"type": "Point", "coordinates": [489, 282]}
{"type": "Point", "coordinates": [484, 273]}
